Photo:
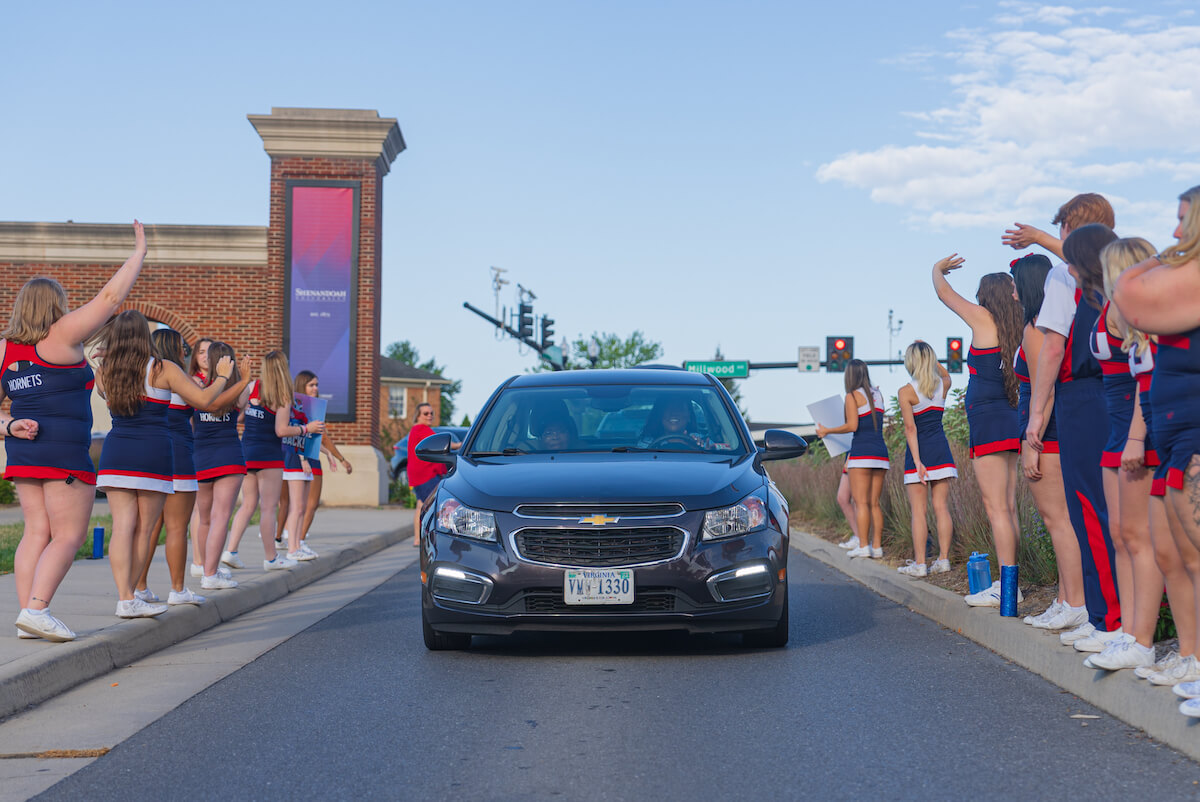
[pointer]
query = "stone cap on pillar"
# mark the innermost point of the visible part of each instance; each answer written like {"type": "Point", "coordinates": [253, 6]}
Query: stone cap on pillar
{"type": "Point", "coordinates": [330, 133]}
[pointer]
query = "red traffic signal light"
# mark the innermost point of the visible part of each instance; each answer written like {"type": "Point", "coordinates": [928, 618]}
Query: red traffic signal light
{"type": "Point", "coordinates": [954, 354]}
{"type": "Point", "coordinates": [838, 351]}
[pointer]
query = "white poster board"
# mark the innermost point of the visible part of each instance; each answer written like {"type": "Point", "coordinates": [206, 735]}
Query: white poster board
{"type": "Point", "coordinates": [831, 412]}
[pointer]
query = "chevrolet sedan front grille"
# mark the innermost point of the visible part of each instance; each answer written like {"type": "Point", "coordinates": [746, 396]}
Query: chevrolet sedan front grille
{"type": "Point", "coordinates": [609, 547]}
{"type": "Point", "coordinates": [576, 511]}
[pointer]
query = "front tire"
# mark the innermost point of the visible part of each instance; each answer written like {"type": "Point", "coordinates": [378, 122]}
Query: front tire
{"type": "Point", "coordinates": [442, 641]}
{"type": "Point", "coordinates": [774, 638]}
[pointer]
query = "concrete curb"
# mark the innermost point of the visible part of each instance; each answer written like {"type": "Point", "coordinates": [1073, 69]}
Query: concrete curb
{"type": "Point", "coordinates": [1150, 708]}
{"type": "Point", "coordinates": [45, 674]}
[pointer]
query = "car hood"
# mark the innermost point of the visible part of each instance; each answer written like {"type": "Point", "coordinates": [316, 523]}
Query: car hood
{"type": "Point", "coordinates": [698, 481]}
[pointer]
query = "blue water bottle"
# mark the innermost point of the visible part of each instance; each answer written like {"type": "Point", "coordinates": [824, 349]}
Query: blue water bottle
{"type": "Point", "coordinates": [979, 572]}
{"type": "Point", "coordinates": [98, 543]}
{"type": "Point", "coordinates": [1008, 590]}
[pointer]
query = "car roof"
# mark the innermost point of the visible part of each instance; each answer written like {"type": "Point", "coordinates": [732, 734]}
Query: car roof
{"type": "Point", "coordinates": [565, 378]}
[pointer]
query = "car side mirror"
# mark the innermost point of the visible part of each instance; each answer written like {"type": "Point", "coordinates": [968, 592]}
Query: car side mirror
{"type": "Point", "coordinates": [780, 444]}
{"type": "Point", "coordinates": [436, 448]}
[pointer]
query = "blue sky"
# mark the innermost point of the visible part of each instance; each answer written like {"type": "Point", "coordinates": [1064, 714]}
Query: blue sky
{"type": "Point", "coordinates": [751, 175]}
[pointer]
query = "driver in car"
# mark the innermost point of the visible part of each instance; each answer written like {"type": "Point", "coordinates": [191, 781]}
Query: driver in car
{"type": "Point", "coordinates": [673, 426]}
{"type": "Point", "coordinates": [554, 433]}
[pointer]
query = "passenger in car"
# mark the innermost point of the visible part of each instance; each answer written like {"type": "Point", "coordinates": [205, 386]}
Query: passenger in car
{"type": "Point", "coordinates": [555, 433]}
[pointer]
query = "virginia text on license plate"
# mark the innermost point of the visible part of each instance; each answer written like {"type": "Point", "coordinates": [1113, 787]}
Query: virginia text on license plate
{"type": "Point", "coordinates": [598, 586]}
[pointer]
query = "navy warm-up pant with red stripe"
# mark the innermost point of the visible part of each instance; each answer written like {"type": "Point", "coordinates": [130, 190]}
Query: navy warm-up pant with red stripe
{"type": "Point", "coordinates": [1082, 429]}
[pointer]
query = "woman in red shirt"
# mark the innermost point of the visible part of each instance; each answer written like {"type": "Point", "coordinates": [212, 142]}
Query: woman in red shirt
{"type": "Point", "coordinates": [423, 477]}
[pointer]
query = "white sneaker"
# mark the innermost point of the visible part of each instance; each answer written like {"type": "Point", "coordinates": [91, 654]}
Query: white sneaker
{"type": "Point", "coordinates": [232, 559]}
{"type": "Point", "coordinates": [1122, 654]}
{"type": "Point", "coordinates": [861, 551]}
{"type": "Point", "coordinates": [147, 595]}
{"type": "Point", "coordinates": [1068, 617]}
{"type": "Point", "coordinates": [279, 563]}
{"type": "Point", "coordinates": [1168, 660]}
{"type": "Point", "coordinates": [301, 556]}
{"type": "Point", "coordinates": [136, 608]}
{"type": "Point", "coordinates": [1187, 690]}
{"type": "Point", "coordinates": [911, 568]}
{"type": "Point", "coordinates": [852, 543]}
{"type": "Point", "coordinates": [284, 539]}
{"type": "Point", "coordinates": [185, 596]}
{"type": "Point", "coordinates": [940, 567]}
{"type": "Point", "coordinates": [989, 597]}
{"type": "Point", "coordinates": [217, 582]}
{"type": "Point", "coordinates": [1045, 615]}
{"type": "Point", "coordinates": [1099, 640]}
{"type": "Point", "coordinates": [26, 635]}
{"type": "Point", "coordinates": [41, 624]}
{"type": "Point", "coordinates": [304, 548]}
{"type": "Point", "coordinates": [877, 553]}
{"type": "Point", "coordinates": [196, 570]}
{"type": "Point", "coordinates": [1190, 708]}
{"type": "Point", "coordinates": [1084, 630]}
{"type": "Point", "coordinates": [1186, 669]}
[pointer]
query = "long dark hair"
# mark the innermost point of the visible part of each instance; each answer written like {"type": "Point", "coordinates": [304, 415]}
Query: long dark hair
{"type": "Point", "coordinates": [168, 346]}
{"type": "Point", "coordinates": [1082, 249]}
{"type": "Point", "coordinates": [996, 296]}
{"type": "Point", "coordinates": [126, 354]}
{"type": "Point", "coordinates": [1029, 275]}
{"type": "Point", "coordinates": [859, 378]}
{"type": "Point", "coordinates": [216, 350]}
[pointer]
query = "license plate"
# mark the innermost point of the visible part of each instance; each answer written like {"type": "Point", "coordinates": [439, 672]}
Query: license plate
{"type": "Point", "coordinates": [598, 586]}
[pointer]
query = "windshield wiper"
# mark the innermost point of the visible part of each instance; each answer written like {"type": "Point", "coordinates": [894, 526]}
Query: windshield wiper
{"type": "Point", "coordinates": [508, 452]}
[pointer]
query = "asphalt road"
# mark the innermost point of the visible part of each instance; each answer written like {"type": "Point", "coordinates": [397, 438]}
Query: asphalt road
{"type": "Point", "coordinates": [869, 699]}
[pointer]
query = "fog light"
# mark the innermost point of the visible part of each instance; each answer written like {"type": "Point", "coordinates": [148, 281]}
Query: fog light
{"type": "Point", "coordinates": [748, 582]}
{"type": "Point", "coordinates": [456, 585]}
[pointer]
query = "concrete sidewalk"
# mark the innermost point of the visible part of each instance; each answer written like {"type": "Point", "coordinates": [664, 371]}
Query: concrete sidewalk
{"type": "Point", "coordinates": [32, 671]}
{"type": "Point", "coordinates": [1154, 709]}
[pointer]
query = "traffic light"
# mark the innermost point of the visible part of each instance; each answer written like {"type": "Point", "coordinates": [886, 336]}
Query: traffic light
{"type": "Point", "coordinates": [954, 360]}
{"type": "Point", "coordinates": [525, 321]}
{"type": "Point", "coordinates": [547, 331]}
{"type": "Point", "coordinates": [838, 351]}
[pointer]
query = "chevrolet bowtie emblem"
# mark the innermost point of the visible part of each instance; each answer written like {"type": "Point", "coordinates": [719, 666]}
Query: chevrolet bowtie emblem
{"type": "Point", "coordinates": [598, 520]}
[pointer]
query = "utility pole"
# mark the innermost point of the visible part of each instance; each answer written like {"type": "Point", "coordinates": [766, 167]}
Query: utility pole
{"type": "Point", "coordinates": [892, 332]}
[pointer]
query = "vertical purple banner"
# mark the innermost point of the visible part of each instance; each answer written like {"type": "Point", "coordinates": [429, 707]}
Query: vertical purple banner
{"type": "Point", "coordinates": [322, 255]}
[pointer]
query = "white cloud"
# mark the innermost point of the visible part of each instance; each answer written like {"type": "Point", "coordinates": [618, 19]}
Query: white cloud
{"type": "Point", "coordinates": [1048, 97]}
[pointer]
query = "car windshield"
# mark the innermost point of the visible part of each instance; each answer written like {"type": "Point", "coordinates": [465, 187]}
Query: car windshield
{"type": "Point", "coordinates": [608, 418]}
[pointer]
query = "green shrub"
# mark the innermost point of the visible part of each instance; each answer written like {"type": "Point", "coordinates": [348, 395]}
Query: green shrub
{"type": "Point", "coordinates": [8, 493]}
{"type": "Point", "coordinates": [401, 493]}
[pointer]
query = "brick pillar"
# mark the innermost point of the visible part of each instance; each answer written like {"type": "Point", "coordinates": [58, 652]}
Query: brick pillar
{"type": "Point", "coordinates": [347, 146]}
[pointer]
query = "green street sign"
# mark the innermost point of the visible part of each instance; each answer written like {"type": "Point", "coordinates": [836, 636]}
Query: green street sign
{"type": "Point", "coordinates": [722, 370]}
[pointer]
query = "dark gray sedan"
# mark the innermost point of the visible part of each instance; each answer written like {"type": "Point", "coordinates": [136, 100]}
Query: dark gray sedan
{"type": "Point", "coordinates": [551, 518]}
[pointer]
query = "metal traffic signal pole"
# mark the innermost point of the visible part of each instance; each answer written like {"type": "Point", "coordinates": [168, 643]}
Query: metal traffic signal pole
{"type": "Point", "coordinates": [517, 335]}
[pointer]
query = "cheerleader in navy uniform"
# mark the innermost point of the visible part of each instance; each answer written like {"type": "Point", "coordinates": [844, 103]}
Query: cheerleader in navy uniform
{"type": "Point", "coordinates": [220, 466]}
{"type": "Point", "coordinates": [265, 416]}
{"type": "Point", "coordinates": [298, 473]}
{"type": "Point", "coordinates": [307, 383]}
{"type": "Point", "coordinates": [44, 373]}
{"type": "Point", "coordinates": [198, 369]}
{"type": "Point", "coordinates": [991, 402]}
{"type": "Point", "coordinates": [1162, 296]}
{"type": "Point", "coordinates": [928, 463]}
{"type": "Point", "coordinates": [137, 465]}
{"type": "Point", "coordinates": [1042, 467]}
{"type": "Point", "coordinates": [868, 457]}
{"type": "Point", "coordinates": [178, 507]}
{"type": "Point", "coordinates": [1127, 484]}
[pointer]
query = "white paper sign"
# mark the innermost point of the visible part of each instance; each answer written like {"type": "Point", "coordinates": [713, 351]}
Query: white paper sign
{"type": "Point", "coordinates": [831, 412]}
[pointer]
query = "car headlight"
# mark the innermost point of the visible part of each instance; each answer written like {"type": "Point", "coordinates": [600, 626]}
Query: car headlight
{"type": "Point", "coordinates": [458, 519]}
{"type": "Point", "coordinates": [747, 515]}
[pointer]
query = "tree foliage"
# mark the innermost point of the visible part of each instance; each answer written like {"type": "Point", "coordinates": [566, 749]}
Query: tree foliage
{"type": "Point", "coordinates": [405, 352]}
{"type": "Point", "coordinates": [614, 351]}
